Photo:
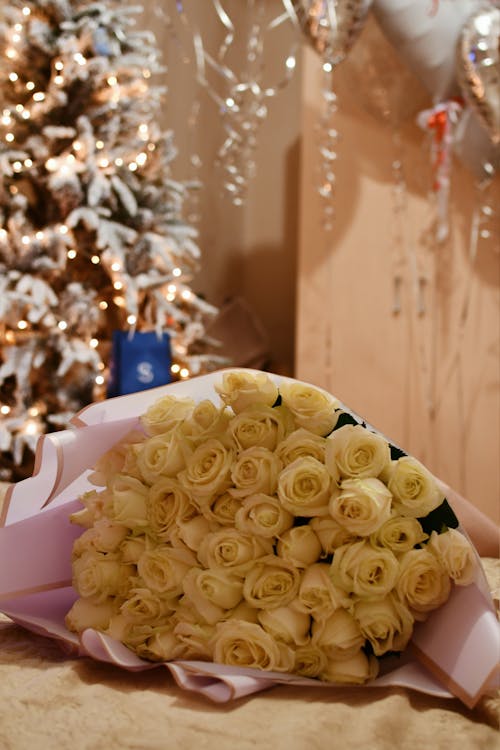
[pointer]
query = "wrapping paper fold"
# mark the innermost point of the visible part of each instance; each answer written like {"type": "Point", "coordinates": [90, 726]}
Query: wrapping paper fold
{"type": "Point", "coordinates": [456, 652]}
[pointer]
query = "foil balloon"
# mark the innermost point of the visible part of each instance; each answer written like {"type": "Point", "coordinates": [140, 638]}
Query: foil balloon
{"type": "Point", "coordinates": [479, 67]}
{"type": "Point", "coordinates": [332, 26]}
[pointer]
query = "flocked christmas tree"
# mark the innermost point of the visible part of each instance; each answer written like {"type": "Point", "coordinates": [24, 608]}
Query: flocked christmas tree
{"type": "Point", "coordinates": [92, 238]}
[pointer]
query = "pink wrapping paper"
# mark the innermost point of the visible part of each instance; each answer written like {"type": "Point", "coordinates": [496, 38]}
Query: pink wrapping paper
{"type": "Point", "coordinates": [456, 652]}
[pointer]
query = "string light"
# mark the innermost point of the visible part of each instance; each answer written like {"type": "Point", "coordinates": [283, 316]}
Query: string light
{"type": "Point", "coordinates": [16, 38]}
{"type": "Point", "coordinates": [141, 158]}
{"type": "Point", "coordinates": [119, 162]}
{"type": "Point", "coordinates": [132, 166]}
{"type": "Point", "coordinates": [99, 380]}
{"type": "Point", "coordinates": [103, 305]}
{"type": "Point", "coordinates": [25, 240]}
{"type": "Point", "coordinates": [22, 325]}
{"type": "Point", "coordinates": [33, 411]}
{"type": "Point", "coordinates": [119, 301]}
{"type": "Point", "coordinates": [19, 107]}
{"type": "Point", "coordinates": [77, 146]}
{"type": "Point", "coordinates": [10, 337]}
{"type": "Point", "coordinates": [175, 369]}
{"type": "Point", "coordinates": [26, 114]}
{"type": "Point", "coordinates": [99, 144]}
{"type": "Point", "coordinates": [146, 73]}
{"type": "Point", "coordinates": [59, 80]}
{"type": "Point", "coordinates": [62, 325]}
{"type": "Point", "coordinates": [30, 85]}
{"type": "Point", "coordinates": [63, 229]}
{"type": "Point", "coordinates": [4, 409]}
{"type": "Point", "coordinates": [94, 343]}
{"type": "Point", "coordinates": [6, 119]}
{"type": "Point", "coordinates": [31, 427]}
{"type": "Point", "coordinates": [40, 235]}
{"type": "Point", "coordinates": [18, 26]}
{"type": "Point", "coordinates": [13, 77]}
{"type": "Point", "coordinates": [171, 289]}
{"type": "Point", "coordinates": [176, 272]}
{"type": "Point", "coordinates": [79, 58]}
{"type": "Point", "coordinates": [112, 80]}
{"type": "Point", "coordinates": [103, 163]}
{"type": "Point", "coordinates": [59, 65]}
{"type": "Point", "coordinates": [184, 372]}
{"type": "Point", "coordinates": [131, 320]}
{"type": "Point", "coordinates": [95, 260]}
{"type": "Point", "coordinates": [10, 53]}
{"type": "Point", "coordinates": [17, 166]}
{"type": "Point", "coordinates": [186, 294]}
{"type": "Point", "coordinates": [26, 11]}
{"type": "Point", "coordinates": [9, 137]}
{"type": "Point", "coordinates": [118, 285]}
{"type": "Point", "coordinates": [3, 234]}
{"type": "Point", "coordinates": [116, 265]}
{"type": "Point", "coordinates": [38, 96]}
{"type": "Point", "coordinates": [151, 146]}
{"type": "Point", "coordinates": [71, 254]}
{"type": "Point", "coordinates": [170, 297]}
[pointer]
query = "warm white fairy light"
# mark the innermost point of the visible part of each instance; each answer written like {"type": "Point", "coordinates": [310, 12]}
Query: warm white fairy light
{"type": "Point", "coordinates": [10, 337]}
{"type": "Point", "coordinates": [19, 107]}
{"type": "Point", "coordinates": [9, 137]}
{"type": "Point", "coordinates": [26, 114]}
{"type": "Point", "coordinates": [101, 366]}
{"type": "Point", "coordinates": [175, 369]}
{"type": "Point", "coordinates": [18, 27]}
{"type": "Point", "coordinates": [59, 80]}
{"type": "Point", "coordinates": [16, 38]}
{"type": "Point", "coordinates": [99, 380]}
{"type": "Point", "coordinates": [112, 80]}
{"type": "Point", "coordinates": [25, 239]}
{"type": "Point", "coordinates": [79, 59]}
{"type": "Point", "coordinates": [62, 325]}
{"type": "Point", "coordinates": [132, 166]}
{"type": "Point", "coordinates": [77, 146]}
{"type": "Point", "coordinates": [146, 73]}
{"type": "Point", "coordinates": [4, 409]}
{"type": "Point", "coordinates": [186, 294]}
{"type": "Point", "coordinates": [26, 11]}
{"type": "Point", "coordinates": [17, 166]}
{"type": "Point", "coordinates": [103, 305]}
{"type": "Point", "coordinates": [116, 265]}
{"type": "Point", "coordinates": [31, 427]}
{"type": "Point", "coordinates": [119, 301]}
{"type": "Point", "coordinates": [171, 289]}
{"type": "Point", "coordinates": [30, 85]}
{"type": "Point", "coordinates": [13, 77]}
{"type": "Point", "coordinates": [176, 272]}
{"type": "Point", "coordinates": [104, 163]}
{"type": "Point", "coordinates": [94, 343]}
{"type": "Point", "coordinates": [141, 158]}
{"type": "Point", "coordinates": [38, 96]}
{"type": "Point", "coordinates": [40, 235]}
{"type": "Point", "coordinates": [99, 145]}
{"type": "Point", "coordinates": [71, 254]}
{"type": "Point", "coordinates": [118, 285]}
{"type": "Point", "coordinates": [95, 260]}
{"type": "Point", "coordinates": [119, 161]}
{"type": "Point", "coordinates": [13, 190]}
{"type": "Point", "coordinates": [22, 325]}
{"type": "Point", "coordinates": [10, 53]}
{"type": "Point", "coordinates": [184, 372]}
{"type": "Point", "coordinates": [131, 320]}
{"type": "Point", "coordinates": [63, 229]}
{"type": "Point", "coordinates": [6, 119]}
{"type": "Point", "coordinates": [230, 102]}
{"type": "Point", "coordinates": [33, 411]}
{"type": "Point", "coordinates": [3, 234]}
{"type": "Point", "coordinates": [151, 146]}
{"type": "Point", "coordinates": [170, 297]}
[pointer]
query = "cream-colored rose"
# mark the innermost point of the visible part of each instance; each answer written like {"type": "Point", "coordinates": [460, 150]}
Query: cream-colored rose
{"type": "Point", "coordinates": [163, 568]}
{"type": "Point", "coordinates": [97, 576]}
{"type": "Point", "coordinates": [195, 639]}
{"type": "Point", "coordinates": [244, 611]}
{"type": "Point", "coordinates": [206, 421]}
{"type": "Point", "coordinates": [312, 407]}
{"type": "Point", "coordinates": [129, 501]}
{"type": "Point", "coordinates": [86, 613]}
{"type": "Point", "coordinates": [354, 451]}
{"type": "Point", "coordinates": [113, 461]}
{"type": "Point", "coordinates": [356, 670]}
{"type": "Point", "coordinates": [399, 534]}
{"type": "Point", "coordinates": [423, 583]}
{"type": "Point", "coordinates": [263, 515]}
{"type": "Point", "coordinates": [222, 509]}
{"type": "Point", "coordinates": [415, 491]}
{"type": "Point", "coordinates": [305, 487]}
{"type": "Point", "coordinates": [104, 536]}
{"type": "Point", "coordinates": [162, 456]}
{"type": "Point", "coordinates": [310, 660]}
{"type": "Point", "coordinates": [193, 531]}
{"type": "Point", "coordinates": [286, 624]}
{"type": "Point", "coordinates": [132, 548]}
{"type": "Point", "coordinates": [386, 623]}
{"type": "Point", "coordinates": [146, 607]}
{"type": "Point", "coordinates": [301, 443]}
{"type": "Point", "coordinates": [247, 645]}
{"type": "Point", "coordinates": [133, 634]}
{"type": "Point", "coordinates": [260, 425]}
{"type": "Point", "coordinates": [363, 570]}
{"type": "Point", "coordinates": [94, 502]}
{"type": "Point", "coordinates": [230, 548]}
{"type": "Point", "coordinates": [330, 534]}
{"type": "Point", "coordinates": [208, 470]}
{"type": "Point", "coordinates": [270, 583]}
{"type": "Point", "coordinates": [212, 592]}
{"type": "Point", "coordinates": [167, 503]}
{"type": "Point", "coordinates": [317, 594]}
{"type": "Point", "coordinates": [362, 505]}
{"type": "Point", "coordinates": [161, 645]}
{"type": "Point", "coordinates": [241, 388]}
{"type": "Point", "coordinates": [456, 555]}
{"type": "Point", "coordinates": [255, 470]}
{"type": "Point", "coordinates": [166, 413]}
{"type": "Point", "coordinates": [339, 635]}
{"type": "Point", "coordinates": [300, 546]}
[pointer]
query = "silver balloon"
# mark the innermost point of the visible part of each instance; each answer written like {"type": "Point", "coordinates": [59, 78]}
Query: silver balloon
{"type": "Point", "coordinates": [479, 67]}
{"type": "Point", "coordinates": [332, 26]}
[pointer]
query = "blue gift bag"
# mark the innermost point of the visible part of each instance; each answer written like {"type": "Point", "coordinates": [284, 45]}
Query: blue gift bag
{"type": "Point", "coordinates": [139, 361]}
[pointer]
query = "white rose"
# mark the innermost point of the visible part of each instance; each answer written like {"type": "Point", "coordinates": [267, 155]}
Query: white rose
{"type": "Point", "coordinates": [162, 456]}
{"type": "Point", "coordinates": [240, 388]}
{"type": "Point", "coordinates": [193, 531]}
{"type": "Point", "coordinates": [247, 645]}
{"type": "Point", "coordinates": [300, 546]}
{"type": "Point", "coordinates": [317, 594]}
{"type": "Point", "coordinates": [262, 515]}
{"type": "Point", "coordinates": [132, 633]}
{"type": "Point", "coordinates": [354, 451]}
{"type": "Point", "coordinates": [305, 487]}
{"type": "Point", "coordinates": [386, 623]}
{"type": "Point", "coordinates": [167, 503]}
{"type": "Point", "coordinates": [363, 570]}
{"type": "Point", "coordinates": [161, 645]}
{"type": "Point", "coordinates": [255, 470]}
{"type": "Point", "coordinates": [222, 509]}
{"type": "Point", "coordinates": [355, 670]}
{"type": "Point", "coordinates": [129, 498]}
{"type": "Point", "coordinates": [330, 534]}
{"type": "Point", "coordinates": [416, 492]}
{"type": "Point", "coordinates": [206, 421]}
{"type": "Point", "coordinates": [313, 408]}
{"type": "Point", "coordinates": [260, 425]}
{"type": "Point", "coordinates": [162, 569]}
{"type": "Point", "coordinates": [310, 660]}
{"type": "Point", "coordinates": [399, 534]}
{"type": "Point", "coordinates": [104, 536]}
{"type": "Point", "coordinates": [286, 624]}
{"type": "Point", "coordinates": [230, 548]}
{"type": "Point", "coordinates": [208, 470]}
{"type": "Point", "coordinates": [339, 635]}
{"type": "Point", "coordinates": [195, 639]}
{"type": "Point", "coordinates": [212, 592]}
{"type": "Point", "coordinates": [362, 506]}
{"type": "Point", "coordinates": [132, 548]}
{"type": "Point", "coordinates": [97, 576]}
{"type": "Point", "coordinates": [301, 443]}
{"type": "Point", "coordinates": [270, 583]}
{"type": "Point", "coordinates": [423, 584]}
{"type": "Point", "coordinates": [456, 555]}
{"type": "Point", "coordinates": [95, 504]}
{"type": "Point", "coordinates": [166, 413]}
{"type": "Point", "coordinates": [86, 613]}
{"type": "Point", "coordinates": [146, 607]}
{"type": "Point", "coordinates": [113, 461]}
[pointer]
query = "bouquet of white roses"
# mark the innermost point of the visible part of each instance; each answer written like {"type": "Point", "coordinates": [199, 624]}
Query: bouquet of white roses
{"type": "Point", "coordinates": [271, 529]}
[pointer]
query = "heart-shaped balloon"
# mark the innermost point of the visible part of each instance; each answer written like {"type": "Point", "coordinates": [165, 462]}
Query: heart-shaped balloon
{"type": "Point", "coordinates": [479, 67]}
{"type": "Point", "coordinates": [332, 26]}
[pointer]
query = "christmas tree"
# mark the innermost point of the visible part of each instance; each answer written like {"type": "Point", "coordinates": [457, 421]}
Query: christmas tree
{"type": "Point", "coordinates": [92, 238]}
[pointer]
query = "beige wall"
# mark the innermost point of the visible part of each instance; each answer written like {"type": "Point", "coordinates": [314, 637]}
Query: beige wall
{"type": "Point", "coordinates": [326, 302]}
